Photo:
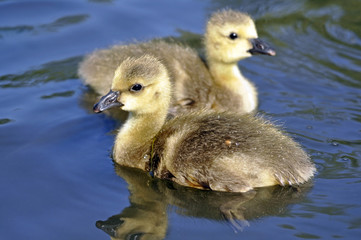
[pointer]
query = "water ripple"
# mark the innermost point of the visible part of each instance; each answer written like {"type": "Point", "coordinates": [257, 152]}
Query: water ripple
{"type": "Point", "coordinates": [52, 71]}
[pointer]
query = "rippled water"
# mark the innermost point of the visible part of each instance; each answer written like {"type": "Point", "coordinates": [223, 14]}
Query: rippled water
{"type": "Point", "coordinates": [57, 180]}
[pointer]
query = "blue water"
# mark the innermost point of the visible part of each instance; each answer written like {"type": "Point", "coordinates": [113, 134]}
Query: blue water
{"type": "Point", "coordinates": [57, 178]}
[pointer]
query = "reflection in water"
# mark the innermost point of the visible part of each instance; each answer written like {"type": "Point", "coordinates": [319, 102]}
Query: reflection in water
{"type": "Point", "coordinates": [59, 94]}
{"type": "Point", "coordinates": [53, 71]}
{"type": "Point", "coordinates": [64, 22]}
{"type": "Point", "coordinates": [4, 120]}
{"type": "Point", "coordinates": [57, 25]}
{"type": "Point", "coordinates": [146, 217]}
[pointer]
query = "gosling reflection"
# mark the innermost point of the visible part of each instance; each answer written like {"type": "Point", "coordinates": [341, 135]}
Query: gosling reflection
{"type": "Point", "coordinates": [146, 217]}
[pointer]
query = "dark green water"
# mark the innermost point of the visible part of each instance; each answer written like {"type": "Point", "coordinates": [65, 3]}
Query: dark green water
{"type": "Point", "coordinates": [57, 179]}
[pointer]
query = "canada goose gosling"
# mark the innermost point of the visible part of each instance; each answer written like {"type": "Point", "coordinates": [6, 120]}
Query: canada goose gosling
{"type": "Point", "coordinates": [146, 100]}
{"type": "Point", "coordinates": [205, 150]}
{"type": "Point", "coordinates": [230, 37]}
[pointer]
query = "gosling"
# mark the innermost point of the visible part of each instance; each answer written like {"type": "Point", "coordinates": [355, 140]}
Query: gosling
{"type": "Point", "coordinates": [201, 149]}
{"type": "Point", "coordinates": [217, 84]}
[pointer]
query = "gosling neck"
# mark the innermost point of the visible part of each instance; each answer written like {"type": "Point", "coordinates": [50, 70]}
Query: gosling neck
{"type": "Point", "coordinates": [133, 142]}
{"type": "Point", "coordinates": [228, 75]}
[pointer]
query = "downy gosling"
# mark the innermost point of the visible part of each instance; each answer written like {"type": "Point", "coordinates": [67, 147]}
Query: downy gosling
{"type": "Point", "coordinates": [217, 84]}
{"type": "Point", "coordinates": [201, 149]}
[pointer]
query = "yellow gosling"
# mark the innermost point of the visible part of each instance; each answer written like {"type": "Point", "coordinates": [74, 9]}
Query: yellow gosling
{"type": "Point", "coordinates": [201, 149]}
{"type": "Point", "coordinates": [230, 37]}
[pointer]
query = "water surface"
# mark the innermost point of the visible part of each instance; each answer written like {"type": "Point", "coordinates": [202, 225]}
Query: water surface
{"type": "Point", "coordinates": [57, 180]}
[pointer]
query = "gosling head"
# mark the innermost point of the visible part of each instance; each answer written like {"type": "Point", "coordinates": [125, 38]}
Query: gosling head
{"type": "Point", "coordinates": [140, 85]}
{"type": "Point", "coordinates": [231, 36]}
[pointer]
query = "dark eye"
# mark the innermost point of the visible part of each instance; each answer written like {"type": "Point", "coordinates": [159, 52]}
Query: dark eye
{"type": "Point", "coordinates": [136, 87]}
{"type": "Point", "coordinates": [233, 36]}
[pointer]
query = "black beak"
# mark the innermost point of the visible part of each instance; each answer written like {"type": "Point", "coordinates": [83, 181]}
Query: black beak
{"type": "Point", "coordinates": [108, 101]}
{"type": "Point", "coordinates": [110, 226]}
{"type": "Point", "coordinates": [261, 47]}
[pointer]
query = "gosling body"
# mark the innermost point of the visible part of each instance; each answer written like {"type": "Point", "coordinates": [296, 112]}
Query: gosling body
{"type": "Point", "coordinates": [228, 152]}
{"type": "Point", "coordinates": [203, 149]}
{"type": "Point", "coordinates": [217, 84]}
